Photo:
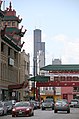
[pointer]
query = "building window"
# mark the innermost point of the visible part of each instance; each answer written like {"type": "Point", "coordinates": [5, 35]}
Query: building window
{"type": "Point", "coordinates": [2, 47]}
{"type": "Point", "coordinates": [75, 89]}
{"type": "Point", "coordinates": [9, 50]}
{"type": "Point", "coordinates": [27, 66]}
{"type": "Point", "coordinates": [9, 23]}
{"type": "Point", "coordinates": [4, 23]}
{"type": "Point", "coordinates": [49, 88]}
{"type": "Point", "coordinates": [13, 23]}
{"type": "Point", "coordinates": [15, 55]}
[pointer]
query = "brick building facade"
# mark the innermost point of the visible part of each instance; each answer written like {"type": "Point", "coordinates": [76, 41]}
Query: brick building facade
{"type": "Point", "coordinates": [10, 49]}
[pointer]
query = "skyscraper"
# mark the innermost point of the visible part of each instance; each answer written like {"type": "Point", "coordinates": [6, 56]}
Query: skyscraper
{"type": "Point", "coordinates": [38, 46]}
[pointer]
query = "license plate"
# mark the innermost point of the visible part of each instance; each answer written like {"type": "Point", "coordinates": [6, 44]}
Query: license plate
{"type": "Point", "coordinates": [20, 112]}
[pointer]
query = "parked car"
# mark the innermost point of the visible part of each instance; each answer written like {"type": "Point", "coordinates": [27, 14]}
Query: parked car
{"type": "Point", "coordinates": [34, 103]}
{"type": "Point", "coordinates": [38, 104]}
{"type": "Point", "coordinates": [3, 109]}
{"type": "Point", "coordinates": [23, 108]}
{"type": "Point", "coordinates": [74, 103]}
{"type": "Point", "coordinates": [9, 105]}
{"type": "Point", "coordinates": [61, 105]}
{"type": "Point", "coordinates": [48, 103]}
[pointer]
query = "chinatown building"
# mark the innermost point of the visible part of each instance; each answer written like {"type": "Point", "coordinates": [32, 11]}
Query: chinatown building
{"type": "Point", "coordinates": [64, 79]}
{"type": "Point", "coordinates": [58, 82]}
{"type": "Point", "coordinates": [10, 49]}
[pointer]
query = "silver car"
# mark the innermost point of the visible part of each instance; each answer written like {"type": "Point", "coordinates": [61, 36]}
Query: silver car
{"type": "Point", "coordinates": [74, 103]}
{"type": "Point", "coordinates": [3, 108]}
{"type": "Point", "coordinates": [9, 105]}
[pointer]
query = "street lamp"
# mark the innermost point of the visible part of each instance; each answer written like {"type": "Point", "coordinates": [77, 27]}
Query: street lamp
{"type": "Point", "coordinates": [35, 62]}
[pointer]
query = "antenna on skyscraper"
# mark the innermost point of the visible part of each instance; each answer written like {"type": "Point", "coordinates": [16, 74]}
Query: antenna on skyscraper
{"type": "Point", "coordinates": [35, 27]}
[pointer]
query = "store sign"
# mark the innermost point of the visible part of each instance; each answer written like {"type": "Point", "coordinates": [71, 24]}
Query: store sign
{"type": "Point", "coordinates": [13, 94]}
{"type": "Point", "coordinates": [49, 92]}
{"type": "Point", "coordinates": [51, 78]}
{"type": "Point", "coordinates": [11, 61]}
{"type": "Point", "coordinates": [57, 90]}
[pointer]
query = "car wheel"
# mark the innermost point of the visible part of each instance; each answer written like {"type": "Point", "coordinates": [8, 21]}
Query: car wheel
{"type": "Point", "coordinates": [3, 113]}
{"type": "Point", "coordinates": [43, 108]}
{"type": "Point", "coordinates": [55, 111]}
{"type": "Point", "coordinates": [33, 114]}
{"type": "Point", "coordinates": [68, 111]}
{"type": "Point", "coordinates": [52, 108]}
{"type": "Point", "coordinates": [13, 115]}
{"type": "Point", "coordinates": [6, 113]}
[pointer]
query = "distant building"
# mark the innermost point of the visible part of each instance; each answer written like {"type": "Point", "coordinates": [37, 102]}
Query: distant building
{"type": "Point", "coordinates": [24, 69]}
{"type": "Point", "coordinates": [40, 60]}
{"type": "Point", "coordinates": [56, 61]}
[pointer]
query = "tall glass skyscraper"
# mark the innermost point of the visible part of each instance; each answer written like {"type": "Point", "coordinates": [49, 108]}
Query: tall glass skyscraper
{"type": "Point", "coordinates": [38, 46]}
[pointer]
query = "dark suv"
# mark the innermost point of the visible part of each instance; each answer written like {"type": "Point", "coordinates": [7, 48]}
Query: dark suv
{"type": "Point", "coordinates": [48, 103]}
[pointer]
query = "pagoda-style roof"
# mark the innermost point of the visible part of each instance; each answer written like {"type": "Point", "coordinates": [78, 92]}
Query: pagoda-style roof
{"type": "Point", "coordinates": [12, 29]}
{"type": "Point", "coordinates": [10, 15]}
{"type": "Point", "coordinates": [1, 12]}
{"type": "Point", "coordinates": [11, 42]}
{"type": "Point", "coordinates": [17, 31]}
{"type": "Point", "coordinates": [62, 67]}
{"type": "Point", "coordinates": [39, 78]}
{"type": "Point", "coordinates": [12, 18]}
{"type": "Point", "coordinates": [12, 35]}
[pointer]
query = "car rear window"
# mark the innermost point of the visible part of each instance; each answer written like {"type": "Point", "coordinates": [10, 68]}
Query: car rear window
{"type": "Point", "coordinates": [74, 100]}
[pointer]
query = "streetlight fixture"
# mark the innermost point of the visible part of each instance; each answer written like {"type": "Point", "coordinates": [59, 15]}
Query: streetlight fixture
{"type": "Point", "coordinates": [35, 62]}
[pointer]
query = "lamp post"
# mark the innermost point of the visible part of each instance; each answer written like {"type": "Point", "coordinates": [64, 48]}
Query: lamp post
{"type": "Point", "coordinates": [35, 62]}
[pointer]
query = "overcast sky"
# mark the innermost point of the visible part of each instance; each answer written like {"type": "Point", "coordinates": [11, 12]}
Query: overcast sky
{"type": "Point", "coordinates": [59, 22]}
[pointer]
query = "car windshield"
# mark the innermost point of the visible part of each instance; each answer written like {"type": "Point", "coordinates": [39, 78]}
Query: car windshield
{"type": "Point", "coordinates": [22, 104]}
{"type": "Point", "coordinates": [61, 102]}
{"type": "Point", "coordinates": [8, 103]}
{"type": "Point", "coordinates": [48, 100]}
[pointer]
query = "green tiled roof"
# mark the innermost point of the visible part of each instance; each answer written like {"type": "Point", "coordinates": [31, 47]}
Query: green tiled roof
{"type": "Point", "coordinates": [11, 18]}
{"type": "Point", "coordinates": [65, 67]}
{"type": "Point", "coordinates": [11, 29]}
{"type": "Point", "coordinates": [39, 78]}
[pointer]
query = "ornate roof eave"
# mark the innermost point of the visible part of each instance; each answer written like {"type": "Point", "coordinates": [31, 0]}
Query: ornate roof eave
{"type": "Point", "coordinates": [17, 31]}
{"type": "Point", "coordinates": [62, 67]}
{"type": "Point", "coordinates": [1, 14]}
{"type": "Point", "coordinates": [22, 33]}
{"type": "Point", "coordinates": [11, 42]}
{"type": "Point", "coordinates": [12, 18]}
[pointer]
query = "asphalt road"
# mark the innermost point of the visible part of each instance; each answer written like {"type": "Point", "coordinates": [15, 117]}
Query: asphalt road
{"type": "Point", "coordinates": [49, 114]}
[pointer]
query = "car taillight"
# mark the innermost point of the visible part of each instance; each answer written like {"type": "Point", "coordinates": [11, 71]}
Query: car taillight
{"type": "Point", "coordinates": [56, 104]}
{"type": "Point", "coordinates": [66, 104]}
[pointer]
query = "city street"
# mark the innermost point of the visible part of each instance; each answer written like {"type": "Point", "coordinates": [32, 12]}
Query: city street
{"type": "Point", "coordinates": [49, 114]}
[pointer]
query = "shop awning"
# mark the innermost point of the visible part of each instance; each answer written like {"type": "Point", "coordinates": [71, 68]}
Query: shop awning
{"type": "Point", "coordinates": [18, 86]}
{"type": "Point", "coordinates": [39, 78]}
